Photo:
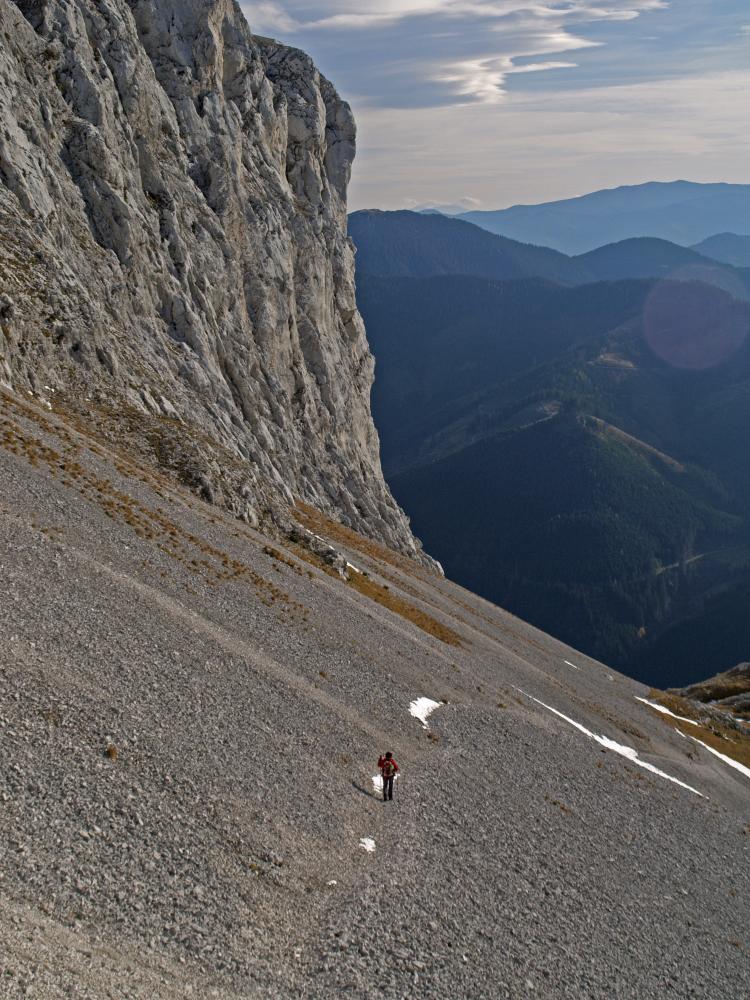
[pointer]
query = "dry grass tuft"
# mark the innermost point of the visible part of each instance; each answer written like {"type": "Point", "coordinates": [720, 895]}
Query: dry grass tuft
{"type": "Point", "coordinates": [377, 592]}
{"type": "Point", "coordinates": [317, 522]}
{"type": "Point", "coordinates": [560, 805]}
{"type": "Point", "coordinates": [731, 742]}
{"type": "Point", "coordinates": [195, 554]}
{"type": "Point", "coordinates": [384, 596]}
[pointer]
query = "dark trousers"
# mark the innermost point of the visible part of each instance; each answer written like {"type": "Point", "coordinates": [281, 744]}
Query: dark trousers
{"type": "Point", "coordinates": [388, 787]}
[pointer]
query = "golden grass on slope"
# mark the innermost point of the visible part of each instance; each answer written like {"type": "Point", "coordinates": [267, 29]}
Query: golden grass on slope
{"type": "Point", "coordinates": [384, 596]}
{"type": "Point", "coordinates": [197, 555]}
{"type": "Point", "coordinates": [722, 686]}
{"type": "Point", "coordinates": [377, 592]}
{"type": "Point", "coordinates": [731, 742]}
{"type": "Point", "coordinates": [317, 522]}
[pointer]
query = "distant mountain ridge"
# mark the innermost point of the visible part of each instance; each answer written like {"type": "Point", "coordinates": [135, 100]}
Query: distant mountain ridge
{"type": "Point", "coordinates": [419, 245]}
{"type": "Point", "coordinates": [680, 211]}
{"type": "Point", "coordinates": [574, 451]}
{"type": "Point", "coordinates": [729, 248]}
{"type": "Point", "coordinates": [601, 494]}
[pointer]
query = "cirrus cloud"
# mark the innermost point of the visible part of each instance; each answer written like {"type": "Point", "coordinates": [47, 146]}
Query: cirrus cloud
{"type": "Point", "coordinates": [437, 52]}
{"type": "Point", "coordinates": [445, 90]}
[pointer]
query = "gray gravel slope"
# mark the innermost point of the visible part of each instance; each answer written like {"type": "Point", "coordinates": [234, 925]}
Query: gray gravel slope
{"type": "Point", "coordinates": [244, 699]}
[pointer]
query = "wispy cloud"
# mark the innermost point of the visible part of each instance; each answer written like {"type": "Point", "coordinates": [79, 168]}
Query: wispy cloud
{"type": "Point", "coordinates": [333, 14]}
{"type": "Point", "coordinates": [444, 51]}
{"type": "Point", "coordinates": [484, 79]}
{"type": "Point", "coordinates": [547, 145]}
{"type": "Point", "coordinates": [431, 79]}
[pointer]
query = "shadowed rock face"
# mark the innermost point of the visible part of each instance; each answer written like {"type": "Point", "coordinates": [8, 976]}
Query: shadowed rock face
{"type": "Point", "coordinates": [173, 239]}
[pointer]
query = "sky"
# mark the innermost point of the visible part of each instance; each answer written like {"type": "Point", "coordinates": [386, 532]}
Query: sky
{"type": "Point", "coordinates": [490, 103]}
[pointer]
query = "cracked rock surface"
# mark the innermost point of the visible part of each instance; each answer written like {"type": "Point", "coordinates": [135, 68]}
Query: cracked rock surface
{"type": "Point", "coordinates": [173, 239]}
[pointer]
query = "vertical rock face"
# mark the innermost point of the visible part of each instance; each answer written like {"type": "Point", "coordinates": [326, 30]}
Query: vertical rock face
{"type": "Point", "coordinates": [173, 237]}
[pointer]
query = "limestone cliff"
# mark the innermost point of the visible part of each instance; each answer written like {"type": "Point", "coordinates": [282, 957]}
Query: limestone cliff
{"type": "Point", "coordinates": [173, 240]}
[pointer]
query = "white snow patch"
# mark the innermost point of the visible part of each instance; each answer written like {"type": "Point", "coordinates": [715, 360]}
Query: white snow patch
{"type": "Point", "coordinates": [727, 760]}
{"type": "Point", "coordinates": [422, 708]}
{"type": "Point", "coordinates": [377, 782]}
{"type": "Point", "coordinates": [665, 711]}
{"type": "Point", "coordinates": [355, 568]}
{"type": "Point", "coordinates": [571, 664]}
{"type": "Point", "coordinates": [608, 744]}
{"type": "Point", "coordinates": [367, 843]}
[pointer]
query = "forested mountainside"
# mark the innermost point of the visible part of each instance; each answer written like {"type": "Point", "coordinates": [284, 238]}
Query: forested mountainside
{"type": "Point", "coordinates": [413, 245]}
{"type": "Point", "coordinates": [680, 211]}
{"type": "Point", "coordinates": [576, 454]}
{"type": "Point", "coordinates": [730, 248]}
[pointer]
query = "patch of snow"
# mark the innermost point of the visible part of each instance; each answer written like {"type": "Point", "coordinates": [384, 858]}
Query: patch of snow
{"type": "Point", "coordinates": [727, 760]}
{"type": "Point", "coordinates": [422, 708]}
{"type": "Point", "coordinates": [367, 843]}
{"type": "Point", "coordinates": [377, 782]}
{"type": "Point", "coordinates": [608, 744]}
{"type": "Point", "coordinates": [571, 664]}
{"type": "Point", "coordinates": [665, 711]}
{"type": "Point", "coordinates": [355, 568]}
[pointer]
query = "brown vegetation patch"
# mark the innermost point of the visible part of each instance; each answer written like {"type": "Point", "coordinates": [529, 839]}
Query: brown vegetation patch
{"type": "Point", "coordinates": [725, 739]}
{"type": "Point", "coordinates": [279, 557]}
{"type": "Point", "coordinates": [560, 805]}
{"type": "Point", "coordinates": [383, 595]}
{"type": "Point", "coordinates": [377, 592]}
{"type": "Point", "coordinates": [727, 685]}
{"type": "Point", "coordinates": [152, 524]}
{"type": "Point", "coordinates": [317, 522]}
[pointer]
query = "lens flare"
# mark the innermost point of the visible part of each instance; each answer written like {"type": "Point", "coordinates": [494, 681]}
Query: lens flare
{"type": "Point", "coordinates": [692, 324]}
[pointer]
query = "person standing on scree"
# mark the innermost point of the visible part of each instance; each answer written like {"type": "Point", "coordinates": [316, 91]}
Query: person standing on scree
{"type": "Point", "coordinates": [389, 770]}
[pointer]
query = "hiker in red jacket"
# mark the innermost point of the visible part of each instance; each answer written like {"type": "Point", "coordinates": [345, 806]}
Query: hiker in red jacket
{"type": "Point", "coordinates": [389, 770]}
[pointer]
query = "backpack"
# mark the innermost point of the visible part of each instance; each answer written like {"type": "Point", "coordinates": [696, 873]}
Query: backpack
{"type": "Point", "coordinates": [389, 768]}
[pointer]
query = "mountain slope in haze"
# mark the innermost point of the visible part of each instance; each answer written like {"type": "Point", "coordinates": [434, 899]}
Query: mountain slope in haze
{"type": "Point", "coordinates": [191, 712]}
{"type": "Point", "coordinates": [443, 343]}
{"type": "Point", "coordinates": [729, 248]}
{"type": "Point", "coordinates": [634, 396]}
{"type": "Point", "coordinates": [410, 244]}
{"type": "Point", "coordinates": [648, 257]}
{"type": "Point", "coordinates": [679, 211]}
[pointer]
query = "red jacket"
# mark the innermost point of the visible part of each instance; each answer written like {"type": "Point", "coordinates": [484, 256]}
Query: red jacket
{"type": "Point", "coordinates": [387, 767]}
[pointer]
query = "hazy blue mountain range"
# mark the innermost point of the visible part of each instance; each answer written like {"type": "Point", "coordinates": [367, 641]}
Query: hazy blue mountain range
{"type": "Point", "coordinates": [680, 211]}
{"type": "Point", "coordinates": [416, 245]}
{"type": "Point", "coordinates": [730, 248]}
{"type": "Point", "coordinates": [442, 345]}
{"type": "Point", "coordinates": [577, 454]}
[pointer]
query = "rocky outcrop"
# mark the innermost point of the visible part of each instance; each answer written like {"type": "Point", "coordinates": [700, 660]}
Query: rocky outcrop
{"type": "Point", "coordinates": [173, 240]}
{"type": "Point", "coordinates": [728, 691]}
